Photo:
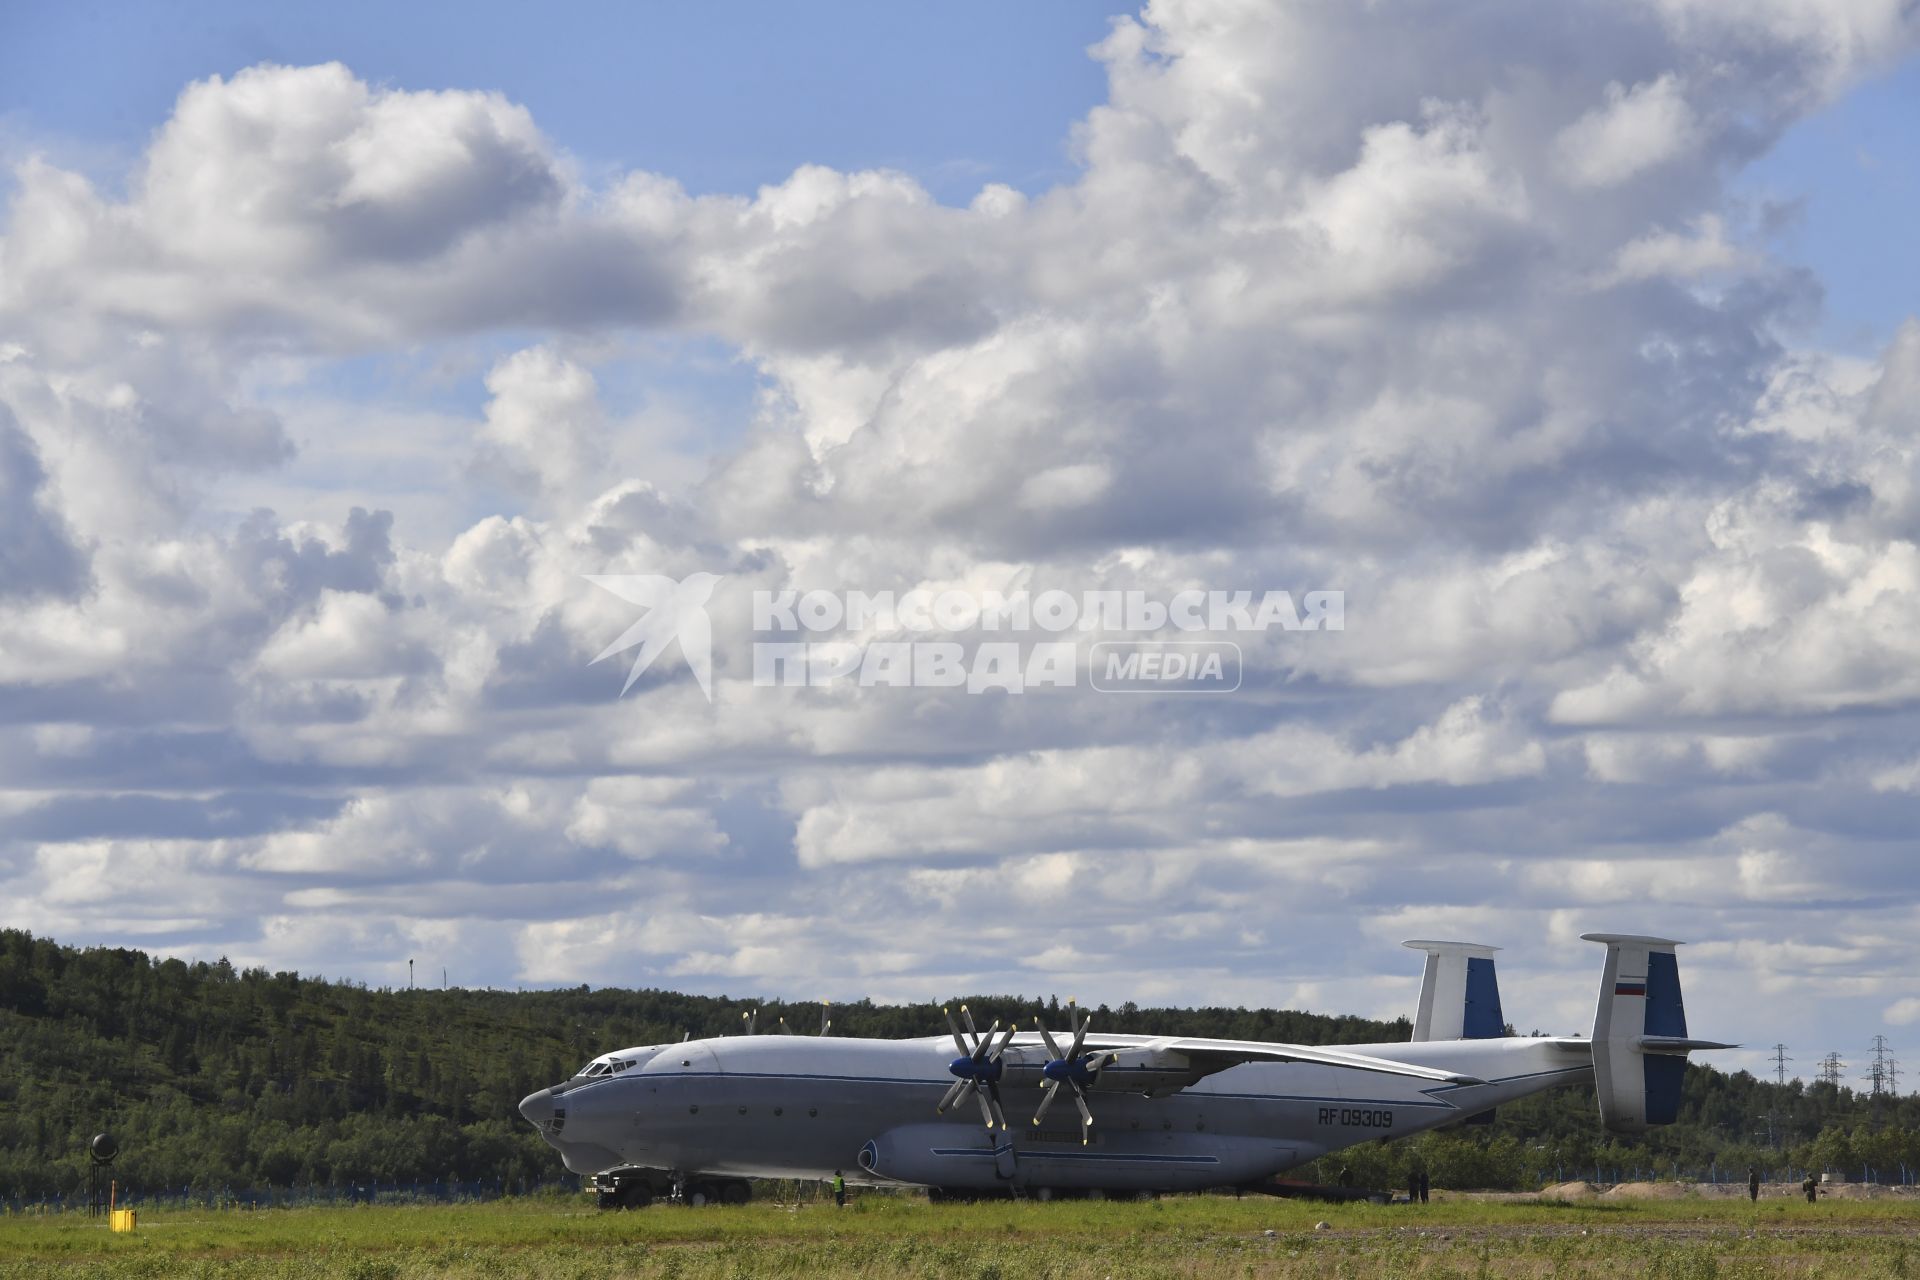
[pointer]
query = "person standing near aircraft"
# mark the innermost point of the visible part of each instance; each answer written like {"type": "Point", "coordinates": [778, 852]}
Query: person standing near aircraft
{"type": "Point", "coordinates": [839, 1190]}
{"type": "Point", "coordinates": [1753, 1183]}
{"type": "Point", "coordinates": [1811, 1186]}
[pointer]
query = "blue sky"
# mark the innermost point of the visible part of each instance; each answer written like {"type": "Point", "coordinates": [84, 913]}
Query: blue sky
{"type": "Point", "coordinates": [1855, 170]}
{"type": "Point", "coordinates": [310, 438]}
{"type": "Point", "coordinates": [724, 97]}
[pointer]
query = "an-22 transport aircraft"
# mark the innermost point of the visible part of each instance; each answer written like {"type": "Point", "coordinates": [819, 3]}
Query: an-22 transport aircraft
{"type": "Point", "coordinates": [1051, 1111]}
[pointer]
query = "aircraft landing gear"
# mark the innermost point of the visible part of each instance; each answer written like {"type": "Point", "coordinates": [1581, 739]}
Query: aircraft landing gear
{"type": "Point", "coordinates": [627, 1189]}
{"type": "Point", "coordinates": [698, 1194]}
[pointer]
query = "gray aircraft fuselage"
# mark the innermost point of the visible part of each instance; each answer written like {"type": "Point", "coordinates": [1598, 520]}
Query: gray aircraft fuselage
{"type": "Point", "coordinates": [802, 1107]}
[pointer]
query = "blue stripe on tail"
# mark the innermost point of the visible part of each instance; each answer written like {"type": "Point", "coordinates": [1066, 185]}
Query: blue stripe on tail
{"type": "Point", "coordinates": [1666, 1016]}
{"type": "Point", "coordinates": [1482, 1019]}
{"type": "Point", "coordinates": [1665, 1072]}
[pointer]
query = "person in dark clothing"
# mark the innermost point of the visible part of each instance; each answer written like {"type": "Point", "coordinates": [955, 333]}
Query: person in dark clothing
{"type": "Point", "coordinates": [1753, 1183]}
{"type": "Point", "coordinates": [839, 1190]}
{"type": "Point", "coordinates": [1426, 1185]}
{"type": "Point", "coordinates": [1811, 1186]}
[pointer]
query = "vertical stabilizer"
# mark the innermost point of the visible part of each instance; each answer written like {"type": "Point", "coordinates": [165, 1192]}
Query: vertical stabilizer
{"type": "Point", "coordinates": [1459, 995]}
{"type": "Point", "coordinates": [1639, 1032]}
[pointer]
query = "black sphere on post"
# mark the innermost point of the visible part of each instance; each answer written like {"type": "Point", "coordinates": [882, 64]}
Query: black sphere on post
{"type": "Point", "coordinates": [100, 1153]}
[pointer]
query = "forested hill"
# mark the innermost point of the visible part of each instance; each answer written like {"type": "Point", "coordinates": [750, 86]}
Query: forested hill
{"type": "Point", "coordinates": [214, 1077]}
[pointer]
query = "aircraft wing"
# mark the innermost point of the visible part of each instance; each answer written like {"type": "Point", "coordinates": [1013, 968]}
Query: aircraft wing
{"type": "Point", "coordinates": [1218, 1055]}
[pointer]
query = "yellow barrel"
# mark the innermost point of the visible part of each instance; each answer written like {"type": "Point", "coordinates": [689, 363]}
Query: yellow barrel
{"type": "Point", "coordinates": [123, 1219]}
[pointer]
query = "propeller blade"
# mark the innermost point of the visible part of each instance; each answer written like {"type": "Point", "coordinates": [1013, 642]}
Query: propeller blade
{"type": "Point", "coordinates": [952, 1095]}
{"type": "Point", "coordinates": [972, 1030]}
{"type": "Point", "coordinates": [1006, 1040]}
{"type": "Point", "coordinates": [959, 1041]}
{"type": "Point", "coordinates": [785, 1030]}
{"type": "Point", "coordinates": [1053, 1050]}
{"type": "Point", "coordinates": [1046, 1100]}
{"type": "Point", "coordinates": [1101, 1063]}
{"type": "Point", "coordinates": [986, 1041]}
{"type": "Point", "coordinates": [826, 1018]}
{"type": "Point", "coordinates": [1086, 1113]}
{"type": "Point", "coordinates": [986, 1107]}
{"type": "Point", "coordinates": [995, 1114]}
{"type": "Point", "coordinates": [1079, 1031]}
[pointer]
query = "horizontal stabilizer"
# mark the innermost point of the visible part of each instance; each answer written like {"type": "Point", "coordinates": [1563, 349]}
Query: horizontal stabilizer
{"type": "Point", "coordinates": [1678, 1044]}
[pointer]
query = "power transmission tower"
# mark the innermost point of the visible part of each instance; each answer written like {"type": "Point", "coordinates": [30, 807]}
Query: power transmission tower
{"type": "Point", "coordinates": [1780, 1061]}
{"type": "Point", "coordinates": [1830, 1069]}
{"type": "Point", "coordinates": [1884, 1073]}
{"type": "Point", "coordinates": [1883, 1076]}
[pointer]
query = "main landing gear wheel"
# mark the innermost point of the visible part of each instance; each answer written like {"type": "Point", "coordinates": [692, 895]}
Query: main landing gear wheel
{"type": "Point", "coordinates": [735, 1193]}
{"type": "Point", "coordinates": [635, 1196]}
{"type": "Point", "coordinates": [701, 1194]}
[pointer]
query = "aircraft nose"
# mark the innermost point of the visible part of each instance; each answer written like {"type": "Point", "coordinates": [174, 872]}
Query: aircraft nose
{"type": "Point", "coordinates": [538, 1108]}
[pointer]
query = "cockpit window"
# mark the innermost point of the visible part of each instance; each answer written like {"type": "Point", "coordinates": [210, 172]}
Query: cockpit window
{"type": "Point", "coordinates": [609, 1067]}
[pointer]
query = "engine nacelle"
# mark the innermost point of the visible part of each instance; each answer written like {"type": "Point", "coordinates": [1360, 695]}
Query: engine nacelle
{"type": "Point", "coordinates": [953, 1155]}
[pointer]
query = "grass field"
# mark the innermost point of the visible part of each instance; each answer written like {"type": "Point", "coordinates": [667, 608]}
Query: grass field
{"type": "Point", "coordinates": [1200, 1236]}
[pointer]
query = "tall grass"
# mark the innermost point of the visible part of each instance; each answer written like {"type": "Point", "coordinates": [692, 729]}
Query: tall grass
{"type": "Point", "coordinates": [880, 1236]}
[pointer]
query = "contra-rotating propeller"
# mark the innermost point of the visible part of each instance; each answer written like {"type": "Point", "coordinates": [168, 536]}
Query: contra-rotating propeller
{"type": "Point", "coordinates": [978, 1068]}
{"type": "Point", "coordinates": [1072, 1068]}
